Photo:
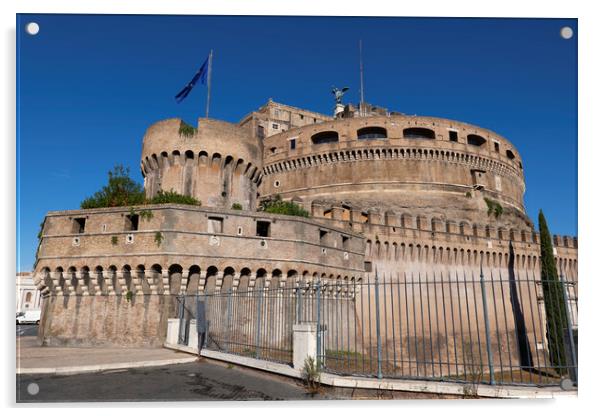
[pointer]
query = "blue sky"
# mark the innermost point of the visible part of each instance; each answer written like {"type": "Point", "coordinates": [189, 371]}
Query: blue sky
{"type": "Point", "coordinates": [89, 86]}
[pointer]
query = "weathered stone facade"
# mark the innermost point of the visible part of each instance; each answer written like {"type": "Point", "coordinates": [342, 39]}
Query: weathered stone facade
{"type": "Point", "coordinates": [402, 193]}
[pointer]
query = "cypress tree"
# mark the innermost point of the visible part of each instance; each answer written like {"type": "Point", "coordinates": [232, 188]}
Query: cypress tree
{"type": "Point", "coordinates": [556, 313]}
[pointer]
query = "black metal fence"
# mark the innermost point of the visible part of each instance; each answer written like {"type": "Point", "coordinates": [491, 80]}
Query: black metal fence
{"type": "Point", "coordinates": [494, 327]}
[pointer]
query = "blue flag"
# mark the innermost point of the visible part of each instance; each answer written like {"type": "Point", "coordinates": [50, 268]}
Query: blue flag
{"type": "Point", "coordinates": [200, 74]}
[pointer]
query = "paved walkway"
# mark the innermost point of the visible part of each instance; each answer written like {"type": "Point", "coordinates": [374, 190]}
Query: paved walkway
{"type": "Point", "coordinates": [33, 359]}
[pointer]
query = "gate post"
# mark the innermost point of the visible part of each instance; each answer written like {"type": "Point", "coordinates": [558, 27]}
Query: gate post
{"type": "Point", "coordinates": [378, 340]}
{"type": "Point", "coordinates": [487, 333]}
{"type": "Point", "coordinates": [319, 330]}
{"type": "Point", "coordinates": [569, 318]}
{"type": "Point", "coordinates": [229, 319]}
{"type": "Point", "coordinates": [258, 328]}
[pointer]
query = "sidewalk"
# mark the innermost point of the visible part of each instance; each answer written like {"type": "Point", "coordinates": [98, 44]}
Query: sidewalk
{"type": "Point", "coordinates": [33, 359]}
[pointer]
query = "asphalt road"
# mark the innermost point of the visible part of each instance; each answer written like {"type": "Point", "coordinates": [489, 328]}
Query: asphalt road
{"type": "Point", "coordinates": [182, 382]}
{"type": "Point", "coordinates": [27, 330]}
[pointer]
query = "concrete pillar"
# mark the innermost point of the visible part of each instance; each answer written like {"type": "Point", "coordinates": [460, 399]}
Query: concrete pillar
{"type": "Point", "coordinates": [173, 330]}
{"type": "Point", "coordinates": [193, 336]}
{"type": "Point", "coordinates": [304, 343]}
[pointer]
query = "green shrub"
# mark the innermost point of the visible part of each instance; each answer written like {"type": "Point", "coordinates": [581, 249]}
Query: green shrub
{"type": "Point", "coordinates": [494, 207]}
{"type": "Point", "coordinates": [311, 375]}
{"type": "Point", "coordinates": [277, 206]}
{"type": "Point", "coordinates": [158, 238]}
{"type": "Point", "coordinates": [171, 197]}
{"type": "Point", "coordinates": [128, 296]}
{"type": "Point", "coordinates": [114, 240]}
{"type": "Point", "coordinates": [236, 206]}
{"type": "Point", "coordinates": [186, 130]}
{"type": "Point", "coordinates": [120, 191]}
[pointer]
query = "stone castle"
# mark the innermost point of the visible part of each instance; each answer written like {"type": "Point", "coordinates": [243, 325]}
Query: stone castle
{"type": "Point", "coordinates": [385, 190]}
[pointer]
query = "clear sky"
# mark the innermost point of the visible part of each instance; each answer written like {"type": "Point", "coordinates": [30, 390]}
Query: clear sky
{"type": "Point", "coordinates": [89, 86]}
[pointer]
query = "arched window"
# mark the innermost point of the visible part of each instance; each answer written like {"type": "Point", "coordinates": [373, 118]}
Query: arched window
{"type": "Point", "coordinates": [418, 133]}
{"type": "Point", "coordinates": [475, 140]}
{"type": "Point", "coordinates": [325, 137]}
{"type": "Point", "coordinates": [372, 133]}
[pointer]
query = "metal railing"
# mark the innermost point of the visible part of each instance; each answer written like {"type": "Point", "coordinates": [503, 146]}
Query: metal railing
{"type": "Point", "coordinates": [492, 327]}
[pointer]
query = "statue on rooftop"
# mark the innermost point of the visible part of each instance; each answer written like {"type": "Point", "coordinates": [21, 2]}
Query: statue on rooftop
{"type": "Point", "coordinates": [338, 94]}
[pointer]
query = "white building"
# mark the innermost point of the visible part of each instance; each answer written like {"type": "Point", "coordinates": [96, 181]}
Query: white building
{"type": "Point", "coordinates": [28, 295]}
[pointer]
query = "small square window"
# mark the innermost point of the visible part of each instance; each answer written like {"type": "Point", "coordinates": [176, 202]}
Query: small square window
{"type": "Point", "coordinates": [275, 126]}
{"type": "Point", "coordinates": [79, 225]}
{"type": "Point", "coordinates": [215, 225]}
{"type": "Point", "coordinates": [345, 242]}
{"type": "Point", "coordinates": [323, 234]}
{"type": "Point", "coordinates": [453, 136]}
{"type": "Point", "coordinates": [131, 222]}
{"type": "Point", "coordinates": [263, 229]}
{"type": "Point", "coordinates": [293, 144]}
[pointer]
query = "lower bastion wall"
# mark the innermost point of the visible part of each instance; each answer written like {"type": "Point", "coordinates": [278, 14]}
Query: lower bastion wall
{"type": "Point", "coordinates": [106, 283]}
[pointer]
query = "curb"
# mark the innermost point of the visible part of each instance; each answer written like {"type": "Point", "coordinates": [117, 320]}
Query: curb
{"type": "Point", "coordinates": [418, 386]}
{"type": "Point", "coordinates": [102, 367]}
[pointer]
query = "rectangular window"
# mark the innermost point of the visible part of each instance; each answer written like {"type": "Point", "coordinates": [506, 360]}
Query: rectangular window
{"type": "Point", "coordinates": [453, 136]}
{"type": "Point", "coordinates": [293, 144]}
{"type": "Point", "coordinates": [496, 145]}
{"type": "Point", "coordinates": [260, 133]}
{"type": "Point", "coordinates": [263, 229]}
{"type": "Point", "coordinates": [215, 225]}
{"type": "Point", "coordinates": [345, 242]}
{"type": "Point", "coordinates": [301, 116]}
{"type": "Point", "coordinates": [131, 222]}
{"type": "Point", "coordinates": [79, 225]}
{"type": "Point", "coordinates": [275, 126]}
{"type": "Point", "coordinates": [323, 234]}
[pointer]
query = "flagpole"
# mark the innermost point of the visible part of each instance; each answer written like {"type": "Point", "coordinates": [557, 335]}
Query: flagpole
{"type": "Point", "coordinates": [209, 84]}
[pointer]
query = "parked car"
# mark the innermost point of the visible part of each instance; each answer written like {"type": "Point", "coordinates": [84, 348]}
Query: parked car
{"type": "Point", "coordinates": [28, 317]}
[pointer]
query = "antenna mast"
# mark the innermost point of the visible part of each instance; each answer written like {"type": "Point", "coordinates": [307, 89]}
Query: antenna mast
{"type": "Point", "coordinates": [361, 81]}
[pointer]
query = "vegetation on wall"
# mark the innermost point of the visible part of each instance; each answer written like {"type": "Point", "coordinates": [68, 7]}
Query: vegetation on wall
{"type": "Point", "coordinates": [120, 191]}
{"type": "Point", "coordinates": [556, 313]}
{"type": "Point", "coordinates": [237, 206]}
{"type": "Point", "coordinates": [114, 240]}
{"type": "Point", "coordinates": [276, 205]}
{"type": "Point", "coordinates": [494, 207]}
{"type": "Point", "coordinates": [158, 238]}
{"type": "Point", "coordinates": [186, 130]}
{"type": "Point", "coordinates": [171, 197]}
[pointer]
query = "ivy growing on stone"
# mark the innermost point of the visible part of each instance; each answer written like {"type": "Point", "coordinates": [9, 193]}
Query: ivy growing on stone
{"type": "Point", "coordinates": [186, 130]}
